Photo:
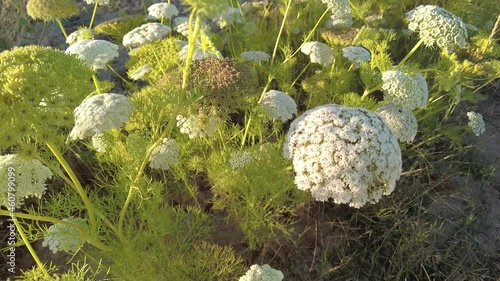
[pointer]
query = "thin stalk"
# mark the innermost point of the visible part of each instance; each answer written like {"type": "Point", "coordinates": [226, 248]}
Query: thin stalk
{"type": "Point", "coordinates": [369, 91]}
{"type": "Point", "coordinates": [76, 182]}
{"type": "Point", "coordinates": [62, 28]}
{"type": "Point", "coordinates": [28, 245]}
{"type": "Point", "coordinates": [287, 9]}
{"type": "Point", "coordinates": [192, 42]}
{"type": "Point", "coordinates": [93, 14]}
{"type": "Point", "coordinates": [96, 83]}
{"type": "Point", "coordinates": [44, 29]}
{"type": "Point", "coordinates": [310, 34]}
{"type": "Point", "coordinates": [411, 52]}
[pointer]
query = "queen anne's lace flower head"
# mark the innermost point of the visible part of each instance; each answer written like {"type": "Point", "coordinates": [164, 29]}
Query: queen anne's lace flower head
{"type": "Point", "coordinates": [318, 52]}
{"type": "Point", "coordinates": [81, 34]}
{"type": "Point", "coordinates": [240, 159]}
{"type": "Point", "coordinates": [255, 56]}
{"type": "Point", "coordinates": [164, 155]}
{"type": "Point", "coordinates": [100, 113]}
{"type": "Point", "coordinates": [356, 54]}
{"type": "Point", "coordinates": [476, 123]}
{"type": "Point", "coordinates": [61, 237]}
{"type": "Point", "coordinates": [344, 153]}
{"type": "Point", "coordinates": [163, 10]}
{"type": "Point", "coordinates": [48, 10]}
{"type": "Point", "coordinates": [408, 91]}
{"type": "Point", "coordinates": [228, 17]}
{"type": "Point", "coordinates": [181, 25]}
{"type": "Point", "coordinates": [402, 121]}
{"type": "Point", "coordinates": [199, 53]}
{"type": "Point", "coordinates": [99, 143]}
{"type": "Point", "coordinates": [262, 273]}
{"type": "Point", "coordinates": [279, 105]}
{"type": "Point", "coordinates": [28, 180]}
{"type": "Point", "coordinates": [437, 26]}
{"type": "Point", "coordinates": [197, 126]}
{"type": "Point", "coordinates": [95, 53]}
{"type": "Point", "coordinates": [341, 12]}
{"type": "Point", "coordinates": [145, 33]}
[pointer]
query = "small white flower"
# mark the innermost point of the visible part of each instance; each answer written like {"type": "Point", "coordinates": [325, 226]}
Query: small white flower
{"type": "Point", "coordinates": [341, 12]}
{"type": "Point", "coordinates": [279, 105]}
{"type": "Point", "coordinates": [181, 25]}
{"type": "Point", "coordinates": [318, 52]}
{"type": "Point", "coordinates": [476, 123]}
{"type": "Point", "coordinates": [437, 26]}
{"type": "Point", "coordinates": [81, 34]}
{"type": "Point", "coordinates": [164, 155]}
{"type": "Point", "coordinates": [141, 72]}
{"type": "Point", "coordinates": [100, 113]}
{"type": "Point", "coordinates": [262, 273]}
{"type": "Point", "coordinates": [28, 180]}
{"type": "Point", "coordinates": [347, 154]}
{"type": "Point", "coordinates": [255, 56]}
{"type": "Point", "coordinates": [228, 17]}
{"type": "Point", "coordinates": [402, 121]}
{"type": "Point", "coordinates": [197, 126]}
{"type": "Point", "coordinates": [405, 90]}
{"type": "Point", "coordinates": [164, 10]}
{"type": "Point", "coordinates": [100, 2]}
{"type": "Point", "coordinates": [356, 54]}
{"type": "Point", "coordinates": [61, 237]}
{"type": "Point", "coordinates": [95, 53]}
{"type": "Point", "coordinates": [240, 159]}
{"type": "Point", "coordinates": [145, 33]}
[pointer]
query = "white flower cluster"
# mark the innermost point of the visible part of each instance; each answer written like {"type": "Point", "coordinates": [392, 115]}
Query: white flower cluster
{"type": "Point", "coordinates": [100, 113]}
{"type": "Point", "coordinates": [229, 17]}
{"type": "Point", "coordinates": [99, 143]}
{"type": "Point", "coordinates": [81, 34]}
{"type": "Point", "coordinates": [356, 54]}
{"type": "Point", "coordinates": [181, 25]}
{"type": "Point", "coordinates": [476, 123]}
{"type": "Point", "coordinates": [197, 126]}
{"type": "Point", "coordinates": [341, 12]}
{"type": "Point", "coordinates": [408, 91]}
{"type": "Point", "coordinates": [164, 155]}
{"type": "Point", "coordinates": [262, 273]}
{"type": "Point", "coordinates": [95, 53]}
{"type": "Point", "coordinates": [279, 105]}
{"type": "Point", "coordinates": [145, 33]}
{"type": "Point", "coordinates": [199, 53]}
{"type": "Point", "coordinates": [240, 159]}
{"type": "Point", "coordinates": [61, 237]}
{"type": "Point", "coordinates": [163, 10]}
{"type": "Point", "coordinates": [437, 26]}
{"type": "Point", "coordinates": [344, 153]}
{"type": "Point", "coordinates": [29, 179]}
{"type": "Point", "coordinates": [100, 2]}
{"type": "Point", "coordinates": [141, 72]}
{"type": "Point", "coordinates": [402, 121]}
{"type": "Point", "coordinates": [318, 52]}
{"type": "Point", "coordinates": [255, 56]}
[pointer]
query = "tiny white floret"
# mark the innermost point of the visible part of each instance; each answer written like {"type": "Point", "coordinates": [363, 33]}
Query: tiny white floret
{"type": "Point", "coordinates": [476, 123]}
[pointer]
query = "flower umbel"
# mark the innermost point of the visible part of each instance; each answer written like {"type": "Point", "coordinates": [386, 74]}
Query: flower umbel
{"type": "Point", "coordinates": [476, 123]}
{"type": "Point", "coordinates": [255, 56]}
{"type": "Point", "coordinates": [437, 26]}
{"type": "Point", "coordinates": [145, 33]}
{"type": "Point", "coordinates": [408, 91]}
{"type": "Point", "coordinates": [402, 121]}
{"type": "Point", "coordinates": [262, 273]}
{"type": "Point", "coordinates": [318, 52]}
{"type": "Point", "coordinates": [100, 113]}
{"type": "Point", "coordinates": [61, 237]}
{"type": "Point", "coordinates": [279, 105]}
{"type": "Point", "coordinates": [163, 10]}
{"type": "Point", "coordinates": [29, 179]}
{"type": "Point", "coordinates": [344, 153]}
{"type": "Point", "coordinates": [95, 53]}
{"type": "Point", "coordinates": [164, 155]}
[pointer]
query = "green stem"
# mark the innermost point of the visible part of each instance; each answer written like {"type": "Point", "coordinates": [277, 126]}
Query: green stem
{"type": "Point", "coordinates": [62, 28]}
{"type": "Point", "coordinates": [288, 5]}
{"type": "Point", "coordinates": [76, 182]}
{"type": "Point", "coordinates": [127, 83]}
{"type": "Point", "coordinates": [192, 43]}
{"type": "Point", "coordinates": [96, 83]}
{"type": "Point", "coordinates": [28, 245]}
{"type": "Point", "coordinates": [93, 242]}
{"type": "Point", "coordinates": [44, 29]}
{"type": "Point", "coordinates": [93, 14]}
{"type": "Point", "coordinates": [310, 34]}
{"type": "Point", "coordinates": [369, 91]}
{"type": "Point", "coordinates": [485, 84]}
{"type": "Point", "coordinates": [411, 52]}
